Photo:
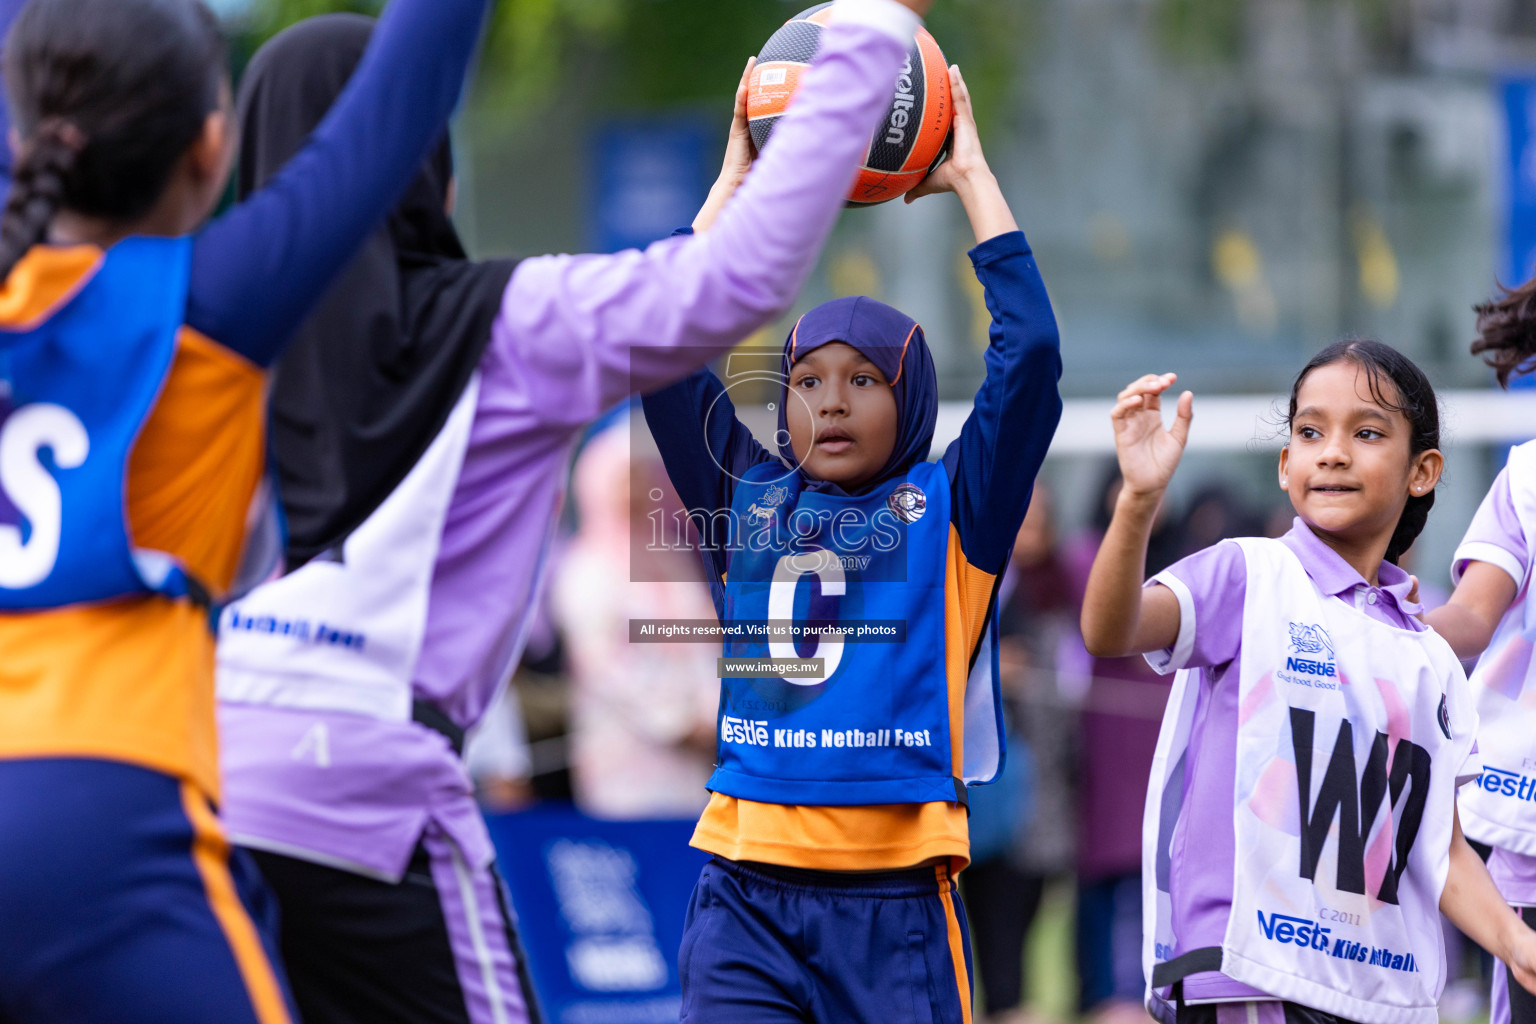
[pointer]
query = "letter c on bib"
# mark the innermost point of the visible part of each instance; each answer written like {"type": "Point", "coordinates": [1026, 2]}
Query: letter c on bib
{"type": "Point", "coordinates": [28, 485]}
{"type": "Point", "coordinates": [826, 567]}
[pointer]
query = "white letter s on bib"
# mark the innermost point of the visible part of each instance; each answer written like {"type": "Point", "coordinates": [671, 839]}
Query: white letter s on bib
{"type": "Point", "coordinates": [33, 491]}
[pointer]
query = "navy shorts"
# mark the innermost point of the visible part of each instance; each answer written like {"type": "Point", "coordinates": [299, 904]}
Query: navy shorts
{"type": "Point", "coordinates": [769, 944]}
{"type": "Point", "coordinates": [1512, 1004]}
{"type": "Point", "coordinates": [120, 901]}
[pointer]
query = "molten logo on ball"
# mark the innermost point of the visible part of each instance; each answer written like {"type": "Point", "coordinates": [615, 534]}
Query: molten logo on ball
{"type": "Point", "coordinates": [896, 128]}
{"type": "Point", "coordinates": [913, 137]}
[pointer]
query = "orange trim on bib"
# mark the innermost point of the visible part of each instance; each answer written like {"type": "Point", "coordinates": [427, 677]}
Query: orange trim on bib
{"type": "Point", "coordinates": [210, 851]}
{"type": "Point", "coordinates": [967, 595]}
{"type": "Point", "coordinates": [199, 459]}
{"type": "Point", "coordinates": [901, 362]}
{"type": "Point", "coordinates": [44, 279]}
{"type": "Point", "coordinates": [956, 941]}
{"type": "Point", "coordinates": [880, 837]}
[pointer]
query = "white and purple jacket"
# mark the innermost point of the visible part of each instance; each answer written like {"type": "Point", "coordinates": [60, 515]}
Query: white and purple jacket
{"type": "Point", "coordinates": [340, 774]}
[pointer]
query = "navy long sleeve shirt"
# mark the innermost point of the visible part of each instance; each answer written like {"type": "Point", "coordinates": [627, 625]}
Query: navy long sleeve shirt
{"type": "Point", "coordinates": [992, 465]}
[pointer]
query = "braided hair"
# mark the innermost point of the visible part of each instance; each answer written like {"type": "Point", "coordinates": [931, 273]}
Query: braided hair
{"type": "Point", "coordinates": [1397, 385]}
{"type": "Point", "coordinates": [1506, 331]}
{"type": "Point", "coordinates": [107, 95]}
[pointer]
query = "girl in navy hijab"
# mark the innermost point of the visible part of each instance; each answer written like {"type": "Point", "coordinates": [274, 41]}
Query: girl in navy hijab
{"type": "Point", "coordinates": [856, 581]}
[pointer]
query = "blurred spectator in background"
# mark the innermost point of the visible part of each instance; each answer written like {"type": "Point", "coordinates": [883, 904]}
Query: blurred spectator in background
{"type": "Point", "coordinates": [1121, 716]}
{"type": "Point", "coordinates": [497, 756]}
{"type": "Point", "coordinates": [8, 11]}
{"type": "Point", "coordinates": [1279, 520]}
{"type": "Point", "coordinates": [1023, 827]}
{"type": "Point", "coordinates": [1216, 513]}
{"type": "Point", "coordinates": [642, 715]}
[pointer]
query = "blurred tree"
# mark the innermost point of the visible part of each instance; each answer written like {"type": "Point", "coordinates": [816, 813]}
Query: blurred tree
{"type": "Point", "coordinates": [657, 53]}
{"type": "Point", "coordinates": [1213, 31]}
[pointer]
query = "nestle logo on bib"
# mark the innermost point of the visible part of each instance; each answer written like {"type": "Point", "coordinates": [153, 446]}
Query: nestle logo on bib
{"type": "Point", "coordinates": [1295, 930]}
{"type": "Point", "coordinates": [1299, 931]}
{"type": "Point", "coordinates": [1312, 651]}
{"type": "Point", "coordinates": [1503, 782]}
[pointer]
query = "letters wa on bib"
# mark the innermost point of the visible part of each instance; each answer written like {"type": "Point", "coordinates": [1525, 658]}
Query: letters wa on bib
{"type": "Point", "coordinates": [1351, 736]}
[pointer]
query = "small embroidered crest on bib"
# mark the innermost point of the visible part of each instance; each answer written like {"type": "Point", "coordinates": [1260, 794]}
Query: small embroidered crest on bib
{"type": "Point", "coordinates": [908, 502]}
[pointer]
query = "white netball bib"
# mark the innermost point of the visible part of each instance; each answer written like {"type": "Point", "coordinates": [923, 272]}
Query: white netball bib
{"type": "Point", "coordinates": [344, 635]}
{"type": "Point", "coordinates": [1501, 808]}
{"type": "Point", "coordinates": [1350, 736]}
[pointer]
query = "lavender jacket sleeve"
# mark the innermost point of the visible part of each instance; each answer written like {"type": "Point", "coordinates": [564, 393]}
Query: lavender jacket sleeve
{"type": "Point", "coordinates": [585, 331]}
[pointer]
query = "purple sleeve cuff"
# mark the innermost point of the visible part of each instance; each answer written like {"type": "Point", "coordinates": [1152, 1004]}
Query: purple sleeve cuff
{"type": "Point", "coordinates": [1496, 535]}
{"type": "Point", "coordinates": [1210, 586]}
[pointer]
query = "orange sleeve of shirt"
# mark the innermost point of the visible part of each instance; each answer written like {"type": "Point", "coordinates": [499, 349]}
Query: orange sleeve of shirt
{"type": "Point", "coordinates": [199, 459]}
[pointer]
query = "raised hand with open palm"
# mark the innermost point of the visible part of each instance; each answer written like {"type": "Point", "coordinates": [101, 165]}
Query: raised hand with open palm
{"type": "Point", "coordinates": [1149, 452]}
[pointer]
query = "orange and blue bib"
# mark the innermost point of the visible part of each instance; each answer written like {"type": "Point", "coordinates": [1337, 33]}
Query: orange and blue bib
{"type": "Point", "coordinates": [860, 583]}
{"type": "Point", "coordinates": [75, 391]}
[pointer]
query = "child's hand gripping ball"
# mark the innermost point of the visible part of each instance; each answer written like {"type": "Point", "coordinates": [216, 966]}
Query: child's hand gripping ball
{"type": "Point", "coordinates": [911, 140]}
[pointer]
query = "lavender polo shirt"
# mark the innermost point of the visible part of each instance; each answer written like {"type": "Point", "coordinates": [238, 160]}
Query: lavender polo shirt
{"type": "Point", "coordinates": [1211, 585]}
{"type": "Point", "coordinates": [576, 334]}
{"type": "Point", "coordinates": [1496, 537]}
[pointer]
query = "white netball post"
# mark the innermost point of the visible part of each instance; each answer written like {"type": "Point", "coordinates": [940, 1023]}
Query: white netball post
{"type": "Point", "coordinates": [1241, 423]}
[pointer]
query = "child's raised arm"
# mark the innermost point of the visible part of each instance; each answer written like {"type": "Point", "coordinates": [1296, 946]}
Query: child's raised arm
{"type": "Point", "coordinates": [993, 464]}
{"type": "Point", "coordinates": [257, 270]}
{"type": "Point", "coordinates": [1120, 617]}
{"type": "Point", "coordinates": [966, 172]}
{"type": "Point", "coordinates": [704, 448]}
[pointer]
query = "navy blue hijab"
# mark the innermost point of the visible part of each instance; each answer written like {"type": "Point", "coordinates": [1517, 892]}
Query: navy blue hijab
{"type": "Point", "coordinates": [892, 341]}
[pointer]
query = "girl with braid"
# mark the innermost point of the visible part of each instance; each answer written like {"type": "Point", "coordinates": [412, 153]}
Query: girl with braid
{"type": "Point", "coordinates": [133, 346]}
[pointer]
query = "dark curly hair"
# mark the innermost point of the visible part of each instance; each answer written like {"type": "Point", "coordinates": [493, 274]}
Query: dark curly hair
{"type": "Point", "coordinates": [1506, 331]}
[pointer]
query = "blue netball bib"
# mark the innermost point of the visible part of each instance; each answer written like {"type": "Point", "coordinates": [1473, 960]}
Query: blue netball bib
{"type": "Point", "coordinates": [74, 392]}
{"type": "Point", "coordinates": [837, 578]}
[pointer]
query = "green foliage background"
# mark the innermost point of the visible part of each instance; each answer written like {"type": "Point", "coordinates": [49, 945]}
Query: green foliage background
{"type": "Point", "coordinates": [631, 55]}
{"type": "Point", "coordinates": [660, 53]}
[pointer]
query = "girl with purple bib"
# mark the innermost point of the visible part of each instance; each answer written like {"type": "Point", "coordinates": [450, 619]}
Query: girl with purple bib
{"type": "Point", "coordinates": [1301, 836]}
{"type": "Point", "coordinates": [1491, 614]}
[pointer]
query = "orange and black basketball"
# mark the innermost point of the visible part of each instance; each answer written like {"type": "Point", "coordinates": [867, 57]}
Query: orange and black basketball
{"type": "Point", "coordinates": [913, 137]}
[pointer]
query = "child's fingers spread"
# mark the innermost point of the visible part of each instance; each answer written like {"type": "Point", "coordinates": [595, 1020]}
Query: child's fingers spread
{"type": "Point", "coordinates": [1151, 384]}
{"type": "Point", "coordinates": [1185, 413]}
{"type": "Point", "coordinates": [961, 97]}
{"type": "Point", "coordinates": [958, 89]}
{"type": "Point", "coordinates": [1127, 404]}
{"type": "Point", "coordinates": [1135, 386]}
{"type": "Point", "coordinates": [741, 88]}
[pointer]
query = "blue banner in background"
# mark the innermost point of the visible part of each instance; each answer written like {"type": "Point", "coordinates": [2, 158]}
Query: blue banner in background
{"type": "Point", "coordinates": [649, 177]}
{"type": "Point", "coordinates": [600, 908]}
{"type": "Point", "coordinates": [8, 11]}
{"type": "Point", "coordinates": [1519, 257]}
{"type": "Point", "coordinates": [1519, 215]}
